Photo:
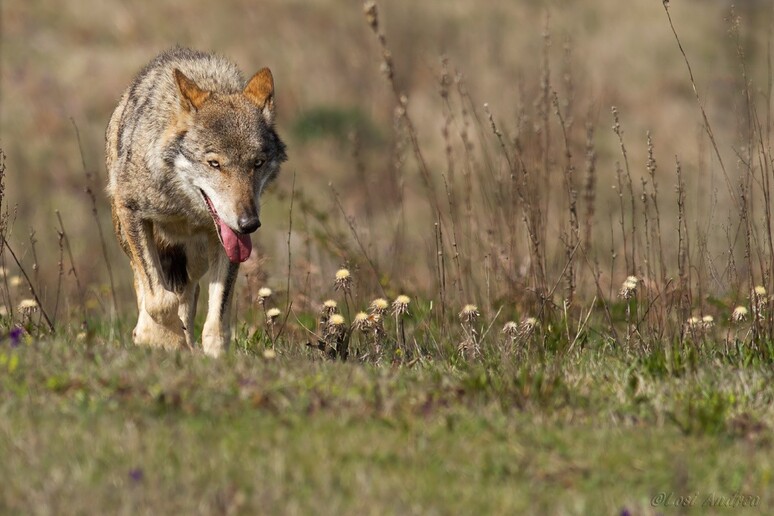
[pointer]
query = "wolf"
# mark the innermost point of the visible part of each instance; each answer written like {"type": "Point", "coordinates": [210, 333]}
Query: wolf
{"type": "Point", "coordinates": [189, 150]}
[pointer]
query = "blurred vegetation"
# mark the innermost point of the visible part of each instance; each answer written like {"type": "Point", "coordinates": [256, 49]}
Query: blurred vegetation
{"type": "Point", "coordinates": [338, 124]}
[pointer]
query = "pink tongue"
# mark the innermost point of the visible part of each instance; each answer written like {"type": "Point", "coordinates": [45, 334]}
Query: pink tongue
{"type": "Point", "coordinates": [237, 246]}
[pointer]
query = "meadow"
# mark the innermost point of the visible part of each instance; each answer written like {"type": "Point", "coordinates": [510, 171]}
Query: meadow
{"type": "Point", "coordinates": [520, 261]}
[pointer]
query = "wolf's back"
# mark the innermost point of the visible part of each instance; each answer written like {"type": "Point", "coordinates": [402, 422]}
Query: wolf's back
{"type": "Point", "coordinates": [147, 113]}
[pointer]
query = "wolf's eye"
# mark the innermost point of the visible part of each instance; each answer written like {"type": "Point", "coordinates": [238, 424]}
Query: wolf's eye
{"type": "Point", "coordinates": [214, 163]}
{"type": "Point", "coordinates": [258, 163]}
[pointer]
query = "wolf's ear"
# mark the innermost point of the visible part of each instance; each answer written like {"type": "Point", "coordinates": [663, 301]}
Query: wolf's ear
{"type": "Point", "coordinates": [260, 91]}
{"type": "Point", "coordinates": [193, 95]}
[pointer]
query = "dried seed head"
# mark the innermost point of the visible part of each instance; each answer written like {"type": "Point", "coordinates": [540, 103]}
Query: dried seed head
{"type": "Point", "coordinates": [469, 348]}
{"type": "Point", "coordinates": [269, 354]}
{"type": "Point", "coordinates": [759, 301]}
{"type": "Point", "coordinates": [27, 306]}
{"type": "Point", "coordinates": [400, 305]}
{"type": "Point", "coordinates": [329, 308]}
{"type": "Point", "coordinates": [273, 313]}
{"type": "Point", "coordinates": [343, 280]}
{"type": "Point", "coordinates": [693, 322]}
{"type": "Point", "coordinates": [334, 329]}
{"type": "Point", "coordinates": [378, 306]}
{"type": "Point", "coordinates": [469, 313]}
{"type": "Point", "coordinates": [511, 329]}
{"type": "Point", "coordinates": [526, 328]}
{"type": "Point", "coordinates": [629, 287]}
{"type": "Point", "coordinates": [707, 322]}
{"type": "Point", "coordinates": [361, 322]}
{"type": "Point", "coordinates": [14, 281]}
{"type": "Point", "coordinates": [739, 314]}
{"type": "Point", "coordinates": [264, 292]}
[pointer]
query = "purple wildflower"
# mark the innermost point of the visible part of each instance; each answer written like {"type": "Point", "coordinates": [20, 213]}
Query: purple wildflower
{"type": "Point", "coordinates": [15, 335]}
{"type": "Point", "coordinates": [136, 474]}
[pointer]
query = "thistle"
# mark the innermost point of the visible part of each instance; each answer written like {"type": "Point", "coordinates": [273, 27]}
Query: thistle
{"type": "Point", "coordinates": [739, 314]}
{"type": "Point", "coordinates": [399, 308]}
{"type": "Point", "coordinates": [629, 287]}
{"type": "Point", "coordinates": [327, 310]}
{"type": "Point", "coordinates": [26, 308]}
{"type": "Point", "coordinates": [469, 314]}
{"type": "Point", "coordinates": [334, 335]}
{"type": "Point", "coordinates": [400, 305]}
{"type": "Point", "coordinates": [264, 293]}
{"type": "Point", "coordinates": [378, 306]}
{"type": "Point", "coordinates": [361, 322]}
{"type": "Point", "coordinates": [469, 347]}
{"type": "Point", "coordinates": [527, 327]}
{"type": "Point", "coordinates": [271, 316]}
{"type": "Point", "coordinates": [511, 329]}
{"type": "Point", "coordinates": [759, 301]}
{"type": "Point", "coordinates": [343, 281]}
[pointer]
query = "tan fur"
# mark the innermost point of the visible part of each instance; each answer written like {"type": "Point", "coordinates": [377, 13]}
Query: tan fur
{"type": "Point", "coordinates": [186, 128]}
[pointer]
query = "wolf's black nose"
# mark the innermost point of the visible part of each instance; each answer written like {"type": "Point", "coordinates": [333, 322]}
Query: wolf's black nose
{"type": "Point", "coordinates": [249, 223]}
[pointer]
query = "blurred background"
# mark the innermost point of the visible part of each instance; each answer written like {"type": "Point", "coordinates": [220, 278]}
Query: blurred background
{"type": "Point", "coordinates": [360, 197]}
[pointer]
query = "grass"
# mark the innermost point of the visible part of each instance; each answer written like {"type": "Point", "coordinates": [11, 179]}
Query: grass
{"type": "Point", "coordinates": [102, 428]}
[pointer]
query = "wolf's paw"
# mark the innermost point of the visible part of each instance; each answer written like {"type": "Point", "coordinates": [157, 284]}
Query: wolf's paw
{"type": "Point", "coordinates": [150, 333]}
{"type": "Point", "coordinates": [214, 342]}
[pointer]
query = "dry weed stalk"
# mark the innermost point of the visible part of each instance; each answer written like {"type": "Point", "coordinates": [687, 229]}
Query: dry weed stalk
{"type": "Point", "coordinates": [78, 288]}
{"type": "Point", "coordinates": [631, 265]}
{"type": "Point", "coordinates": [572, 239]}
{"type": "Point", "coordinates": [589, 186]}
{"type": "Point", "coordinates": [684, 290]}
{"type": "Point", "coordinates": [95, 214]}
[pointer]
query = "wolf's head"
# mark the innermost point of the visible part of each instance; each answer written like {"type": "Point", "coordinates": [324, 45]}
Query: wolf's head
{"type": "Point", "coordinates": [228, 152]}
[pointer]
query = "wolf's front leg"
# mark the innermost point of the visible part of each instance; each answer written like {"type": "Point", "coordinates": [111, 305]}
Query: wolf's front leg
{"type": "Point", "coordinates": [158, 323]}
{"type": "Point", "coordinates": [216, 334]}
